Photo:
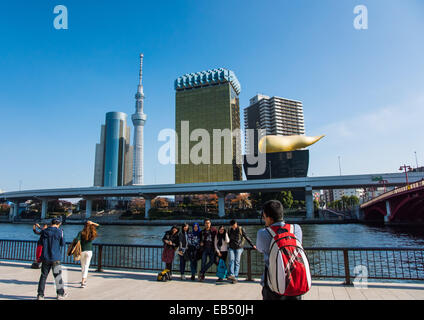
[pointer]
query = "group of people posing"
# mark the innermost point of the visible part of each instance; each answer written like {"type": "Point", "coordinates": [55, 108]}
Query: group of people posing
{"type": "Point", "coordinates": [209, 245]}
{"type": "Point", "coordinates": [288, 280]}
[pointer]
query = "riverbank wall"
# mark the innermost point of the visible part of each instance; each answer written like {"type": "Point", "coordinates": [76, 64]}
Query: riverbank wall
{"type": "Point", "coordinates": [180, 222]}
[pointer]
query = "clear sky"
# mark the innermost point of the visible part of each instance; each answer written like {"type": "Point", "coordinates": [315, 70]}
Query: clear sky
{"type": "Point", "coordinates": [364, 89]}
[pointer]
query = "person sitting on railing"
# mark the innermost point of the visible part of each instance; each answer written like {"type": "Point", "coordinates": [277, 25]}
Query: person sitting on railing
{"type": "Point", "coordinates": [221, 248]}
{"type": "Point", "coordinates": [237, 235]}
{"type": "Point", "coordinates": [171, 242]}
{"type": "Point", "coordinates": [86, 238]}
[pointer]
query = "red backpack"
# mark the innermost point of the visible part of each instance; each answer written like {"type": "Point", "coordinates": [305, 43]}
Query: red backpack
{"type": "Point", "coordinates": [288, 272]}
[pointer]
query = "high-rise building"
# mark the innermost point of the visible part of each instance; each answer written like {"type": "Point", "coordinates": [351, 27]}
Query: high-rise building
{"type": "Point", "coordinates": [113, 163]}
{"type": "Point", "coordinates": [138, 119]}
{"type": "Point", "coordinates": [208, 100]}
{"type": "Point", "coordinates": [275, 116]}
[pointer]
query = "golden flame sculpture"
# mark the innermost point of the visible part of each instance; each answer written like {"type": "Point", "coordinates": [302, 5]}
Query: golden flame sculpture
{"type": "Point", "coordinates": [272, 144]}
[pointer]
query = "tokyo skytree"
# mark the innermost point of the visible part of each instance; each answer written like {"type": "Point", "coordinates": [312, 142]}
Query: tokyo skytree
{"type": "Point", "coordinates": [138, 119]}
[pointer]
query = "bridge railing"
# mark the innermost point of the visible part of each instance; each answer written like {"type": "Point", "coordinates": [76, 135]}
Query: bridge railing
{"type": "Point", "coordinates": [412, 186]}
{"type": "Point", "coordinates": [325, 263]}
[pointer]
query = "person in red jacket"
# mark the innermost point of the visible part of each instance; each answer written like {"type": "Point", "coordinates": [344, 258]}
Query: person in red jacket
{"type": "Point", "coordinates": [36, 228]}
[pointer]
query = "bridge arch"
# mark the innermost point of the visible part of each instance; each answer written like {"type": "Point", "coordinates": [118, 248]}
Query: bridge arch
{"type": "Point", "coordinates": [411, 208]}
{"type": "Point", "coordinates": [375, 213]}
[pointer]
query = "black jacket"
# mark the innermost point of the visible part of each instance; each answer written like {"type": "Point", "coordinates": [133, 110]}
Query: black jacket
{"type": "Point", "coordinates": [174, 238]}
{"type": "Point", "coordinates": [236, 238]}
{"type": "Point", "coordinates": [183, 240]}
{"type": "Point", "coordinates": [208, 237]}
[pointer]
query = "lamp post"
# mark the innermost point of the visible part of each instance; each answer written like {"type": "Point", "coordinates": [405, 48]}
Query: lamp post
{"type": "Point", "coordinates": [340, 167]}
{"type": "Point", "coordinates": [416, 159]}
{"type": "Point", "coordinates": [270, 175]}
{"type": "Point", "coordinates": [384, 184]}
{"type": "Point", "coordinates": [405, 167]}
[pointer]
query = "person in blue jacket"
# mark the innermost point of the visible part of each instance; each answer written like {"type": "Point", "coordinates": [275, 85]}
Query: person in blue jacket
{"type": "Point", "coordinates": [53, 241]}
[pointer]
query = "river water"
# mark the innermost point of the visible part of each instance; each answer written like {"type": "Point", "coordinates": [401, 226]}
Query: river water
{"type": "Point", "coordinates": [314, 235]}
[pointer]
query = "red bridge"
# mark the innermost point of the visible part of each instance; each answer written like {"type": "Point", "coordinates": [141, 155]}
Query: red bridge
{"type": "Point", "coordinates": [405, 204]}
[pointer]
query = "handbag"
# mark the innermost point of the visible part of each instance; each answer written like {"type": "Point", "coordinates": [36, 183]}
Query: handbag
{"type": "Point", "coordinates": [71, 248]}
{"type": "Point", "coordinates": [221, 270]}
{"type": "Point", "coordinates": [75, 250]}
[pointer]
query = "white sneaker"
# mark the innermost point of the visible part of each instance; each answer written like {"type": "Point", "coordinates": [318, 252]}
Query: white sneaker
{"type": "Point", "coordinates": [62, 297]}
{"type": "Point", "coordinates": [183, 277]}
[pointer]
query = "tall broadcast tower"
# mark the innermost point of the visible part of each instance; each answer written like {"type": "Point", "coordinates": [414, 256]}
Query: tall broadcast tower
{"type": "Point", "coordinates": [138, 119]}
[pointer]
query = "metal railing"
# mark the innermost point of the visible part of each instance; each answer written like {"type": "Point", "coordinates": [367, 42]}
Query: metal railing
{"type": "Point", "coordinates": [410, 187]}
{"type": "Point", "coordinates": [325, 263]}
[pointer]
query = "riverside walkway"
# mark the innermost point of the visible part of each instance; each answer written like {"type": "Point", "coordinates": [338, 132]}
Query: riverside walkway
{"type": "Point", "coordinates": [19, 282]}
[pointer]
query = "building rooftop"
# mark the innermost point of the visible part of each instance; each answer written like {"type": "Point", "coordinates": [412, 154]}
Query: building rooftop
{"type": "Point", "coordinates": [207, 78]}
{"type": "Point", "coordinates": [260, 97]}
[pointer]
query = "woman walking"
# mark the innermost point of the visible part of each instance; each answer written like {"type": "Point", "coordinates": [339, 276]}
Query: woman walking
{"type": "Point", "coordinates": [193, 249]}
{"type": "Point", "coordinates": [221, 246]}
{"type": "Point", "coordinates": [171, 242]}
{"type": "Point", "coordinates": [86, 237]}
{"type": "Point", "coordinates": [182, 248]}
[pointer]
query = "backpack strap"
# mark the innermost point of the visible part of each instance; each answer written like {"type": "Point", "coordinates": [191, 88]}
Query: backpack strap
{"type": "Point", "coordinates": [271, 232]}
{"type": "Point", "coordinates": [288, 227]}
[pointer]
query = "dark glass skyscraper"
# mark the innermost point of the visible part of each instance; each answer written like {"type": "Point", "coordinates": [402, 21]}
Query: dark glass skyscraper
{"type": "Point", "coordinates": [208, 100]}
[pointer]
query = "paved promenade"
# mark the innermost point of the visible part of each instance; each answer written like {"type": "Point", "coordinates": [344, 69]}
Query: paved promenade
{"type": "Point", "coordinates": [18, 281]}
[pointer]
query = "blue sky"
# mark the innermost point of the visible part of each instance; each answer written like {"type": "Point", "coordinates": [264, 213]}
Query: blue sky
{"type": "Point", "coordinates": [363, 89]}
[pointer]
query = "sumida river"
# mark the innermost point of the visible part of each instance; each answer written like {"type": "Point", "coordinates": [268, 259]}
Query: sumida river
{"type": "Point", "coordinates": [314, 235]}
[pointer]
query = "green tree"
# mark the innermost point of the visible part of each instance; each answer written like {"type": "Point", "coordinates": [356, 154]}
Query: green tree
{"type": "Point", "coordinates": [353, 200]}
{"type": "Point", "coordinates": [316, 204]}
{"type": "Point", "coordinates": [259, 199]}
{"type": "Point", "coordinates": [286, 198]}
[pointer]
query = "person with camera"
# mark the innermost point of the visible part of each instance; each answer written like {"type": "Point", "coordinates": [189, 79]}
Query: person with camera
{"type": "Point", "coordinates": [36, 228]}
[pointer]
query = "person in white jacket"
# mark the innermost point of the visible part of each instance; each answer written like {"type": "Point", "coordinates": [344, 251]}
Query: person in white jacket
{"type": "Point", "coordinates": [221, 245]}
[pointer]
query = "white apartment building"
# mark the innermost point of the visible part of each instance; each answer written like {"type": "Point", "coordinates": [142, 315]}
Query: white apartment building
{"type": "Point", "coordinates": [276, 116]}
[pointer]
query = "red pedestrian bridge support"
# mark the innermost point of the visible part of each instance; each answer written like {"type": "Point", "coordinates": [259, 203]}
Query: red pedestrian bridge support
{"type": "Point", "coordinates": [405, 204]}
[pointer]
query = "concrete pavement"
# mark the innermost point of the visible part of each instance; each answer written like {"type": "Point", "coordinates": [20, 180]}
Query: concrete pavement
{"type": "Point", "coordinates": [18, 281]}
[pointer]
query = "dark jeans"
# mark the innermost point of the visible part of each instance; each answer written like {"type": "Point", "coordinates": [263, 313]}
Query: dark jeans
{"type": "Point", "coordinates": [57, 273]}
{"type": "Point", "coordinates": [223, 256]}
{"type": "Point", "coordinates": [267, 294]}
{"type": "Point", "coordinates": [193, 267]}
{"type": "Point", "coordinates": [207, 252]}
{"type": "Point", "coordinates": [182, 264]}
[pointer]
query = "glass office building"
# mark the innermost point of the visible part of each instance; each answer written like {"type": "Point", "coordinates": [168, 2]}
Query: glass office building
{"type": "Point", "coordinates": [113, 164]}
{"type": "Point", "coordinates": [208, 100]}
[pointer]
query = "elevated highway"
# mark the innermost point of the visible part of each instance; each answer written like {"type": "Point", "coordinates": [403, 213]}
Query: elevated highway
{"type": "Point", "coordinates": [220, 188]}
